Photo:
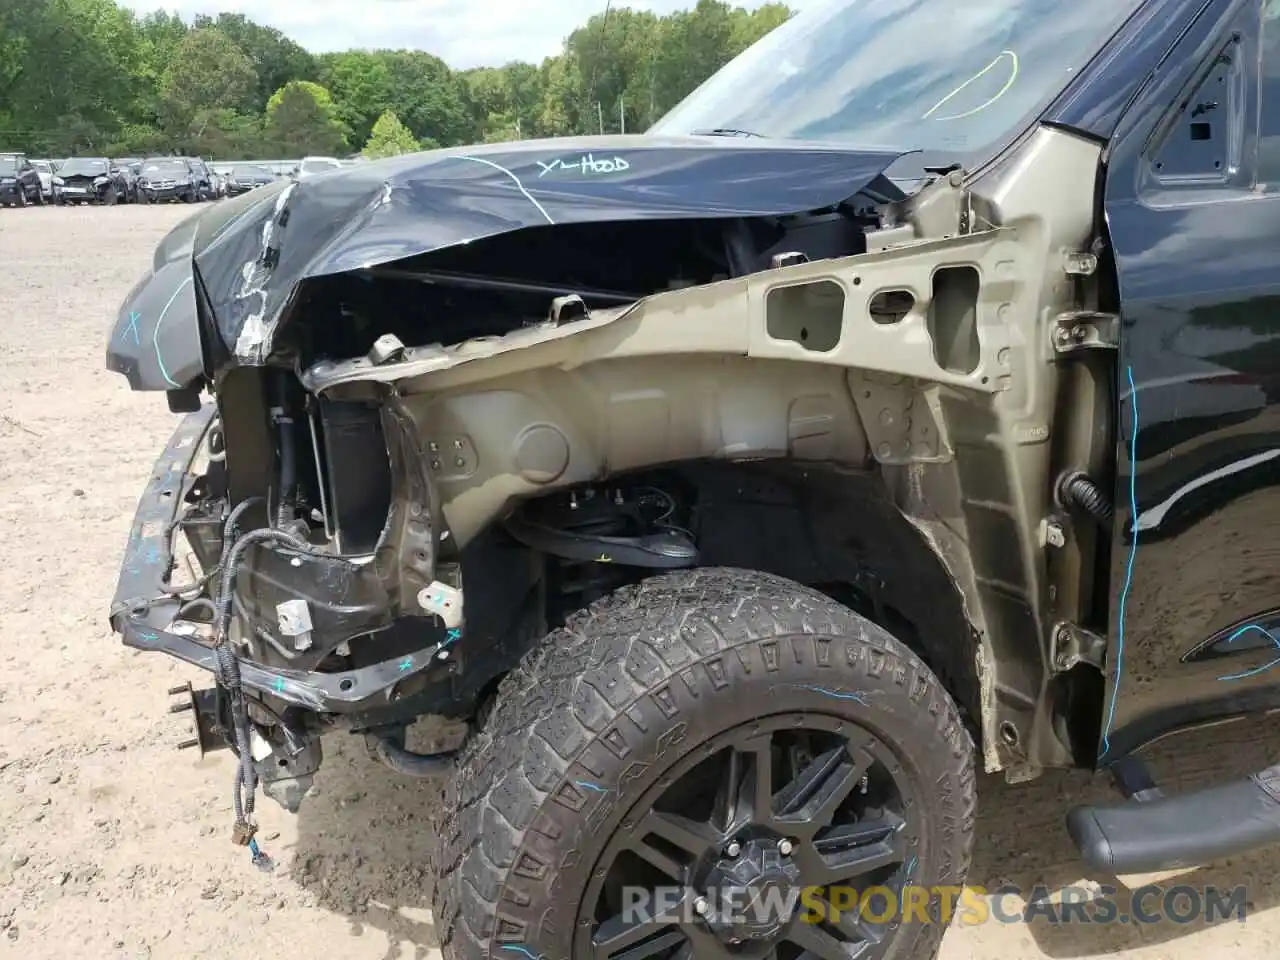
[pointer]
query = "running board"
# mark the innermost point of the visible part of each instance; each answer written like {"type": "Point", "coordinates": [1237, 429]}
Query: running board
{"type": "Point", "coordinates": [1152, 832]}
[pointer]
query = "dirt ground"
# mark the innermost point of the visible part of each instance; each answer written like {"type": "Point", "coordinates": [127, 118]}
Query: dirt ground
{"type": "Point", "coordinates": [115, 845]}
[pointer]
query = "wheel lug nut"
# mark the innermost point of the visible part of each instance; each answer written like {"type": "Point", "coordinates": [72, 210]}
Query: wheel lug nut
{"type": "Point", "coordinates": [733, 849]}
{"type": "Point", "coordinates": [785, 848]}
{"type": "Point", "coordinates": [701, 907]}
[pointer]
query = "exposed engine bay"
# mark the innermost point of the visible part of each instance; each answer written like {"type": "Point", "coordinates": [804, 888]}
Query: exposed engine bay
{"type": "Point", "coordinates": [419, 464]}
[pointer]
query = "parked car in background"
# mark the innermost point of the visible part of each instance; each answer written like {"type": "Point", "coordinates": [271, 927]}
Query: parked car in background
{"type": "Point", "coordinates": [164, 179]}
{"type": "Point", "coordinates": [45, 170]}
{"type": "Point", "coordinates": [91, 180]}
{"type": "Point", "coordinates": [244, 177]}
{"type": "Point", "coordinates": [128, 171]}
{"type": "Point", "coordinates": [223, 172]}
{"type": "Point", "coordinates": [203, 177]}
{"type": "Point", "coordinates": [314, 166]}
{"type": "Point", "coordinates": [19, 181]}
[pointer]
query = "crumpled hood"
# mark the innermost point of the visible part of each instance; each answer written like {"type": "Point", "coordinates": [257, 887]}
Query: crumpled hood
{"type": "Point", "coordinates": [251, 253]}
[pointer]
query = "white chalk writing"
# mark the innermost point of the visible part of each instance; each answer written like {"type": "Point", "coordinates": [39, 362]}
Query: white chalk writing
{"type": "Point", "coordinates": [587, 163]}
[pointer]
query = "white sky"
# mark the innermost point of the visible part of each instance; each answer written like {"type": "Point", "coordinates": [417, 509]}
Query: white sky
{"type": "Point", "coordinates": [463, 33]}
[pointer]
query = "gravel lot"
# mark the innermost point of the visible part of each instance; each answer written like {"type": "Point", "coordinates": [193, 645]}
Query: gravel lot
{"type": "Point", "coordinates": [112, 844]}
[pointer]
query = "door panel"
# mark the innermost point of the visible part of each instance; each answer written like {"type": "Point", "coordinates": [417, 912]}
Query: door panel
{"type": "Point", "coordinates": [1196, 562]}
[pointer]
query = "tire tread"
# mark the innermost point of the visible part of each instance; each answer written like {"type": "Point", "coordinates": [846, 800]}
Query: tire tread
{"type": "Point", "coordinates": [596, 667]}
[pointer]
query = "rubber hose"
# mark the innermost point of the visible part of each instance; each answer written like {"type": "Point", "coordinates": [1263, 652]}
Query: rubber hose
{"type": "Point", "coordinates": [199, 603]}
{"type": "Point", "coordinates": [406, 762]}
{"type": "Point", "coordinates": [1079, 491]}
{"type": "Point", "coordinates": [288, 472]}
{"type": "Point", "coordinates": [288, 450]}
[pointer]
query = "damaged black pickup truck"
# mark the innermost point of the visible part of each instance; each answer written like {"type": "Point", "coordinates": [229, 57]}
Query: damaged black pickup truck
{"type": "Point", "coordinates": [742, 485]}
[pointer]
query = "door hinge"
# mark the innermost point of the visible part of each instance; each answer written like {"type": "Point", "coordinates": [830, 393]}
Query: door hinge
{"type": "Point", "coordinates": [1078, 330]}
{"type": "Point", "coordinates": [1080, 263]}
{"type": "Point", "coordinates": [1074, 645]}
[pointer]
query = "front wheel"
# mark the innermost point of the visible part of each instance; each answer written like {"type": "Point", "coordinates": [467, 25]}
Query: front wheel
{"type": "Point", "coordinates": [710, 762]}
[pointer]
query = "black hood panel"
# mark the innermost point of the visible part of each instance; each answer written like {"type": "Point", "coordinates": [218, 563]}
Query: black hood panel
{"type": "Point", "coordinates": [252, 252]}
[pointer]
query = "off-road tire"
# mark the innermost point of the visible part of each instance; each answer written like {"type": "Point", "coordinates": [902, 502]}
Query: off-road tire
{"type": "Point", "coordinates": [22, 195]}
{"type": "Point", "coordinates": [638, 680]}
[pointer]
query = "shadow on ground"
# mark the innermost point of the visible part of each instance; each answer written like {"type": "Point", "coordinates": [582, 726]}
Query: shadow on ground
{"type": "Point", "coordinates": [1022, 840]}
{"type": "Point", "coordinates": [364, 836]}
{"type": "Point", "coordinates": [363, 840]}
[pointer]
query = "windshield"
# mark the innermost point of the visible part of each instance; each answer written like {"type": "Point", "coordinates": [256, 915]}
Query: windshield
{"type": "Point", "coordinates": [8, 165]}
{"type": "Point", "coordinates": [252, 173]}
{"type": "Point", "coordinates": [944, 77]}
{"type": "Point", "coordinates": [80, 167]}
{"type": "Point", "coordinates": [43, 166]}
{"type": "Point", "coordinates": [165, 168]}
{"type": "Point", "coordinates": [318, 166]}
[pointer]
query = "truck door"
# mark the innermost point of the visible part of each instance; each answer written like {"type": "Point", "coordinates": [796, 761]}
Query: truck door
{"type": "Point", "coordinates": [1193, 212]}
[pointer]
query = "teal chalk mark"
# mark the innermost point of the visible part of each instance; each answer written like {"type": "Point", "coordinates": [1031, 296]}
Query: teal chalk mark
{"type": "Point", "coordinates": [1128, 572]}
{"type": "Point", "coordinates": [1247, 628]}
{"type": "Point", "coordinates": [278, 686]}
{"type": "Point", "coordinates": [406, 664]}
{"type": "Point", "coordinates": [132, 328]}
{"type": "Point", "coordinates": [155, 333]}
{"type": "Point", "coordinates": [838, 694]}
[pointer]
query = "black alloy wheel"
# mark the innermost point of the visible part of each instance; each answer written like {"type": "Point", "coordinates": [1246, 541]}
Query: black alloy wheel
{"type": "Point", "coordinates": [712, 764]}
{"type": "Point", "coordinates": [727, 861]}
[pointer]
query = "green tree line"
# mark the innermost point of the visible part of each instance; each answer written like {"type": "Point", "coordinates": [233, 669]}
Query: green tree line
{"type": "Point", "coordinates": [91, 77]}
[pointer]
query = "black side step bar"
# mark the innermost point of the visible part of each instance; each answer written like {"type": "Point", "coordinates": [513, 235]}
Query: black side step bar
{"type": "Point", "coordinates": [1152, 832]}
